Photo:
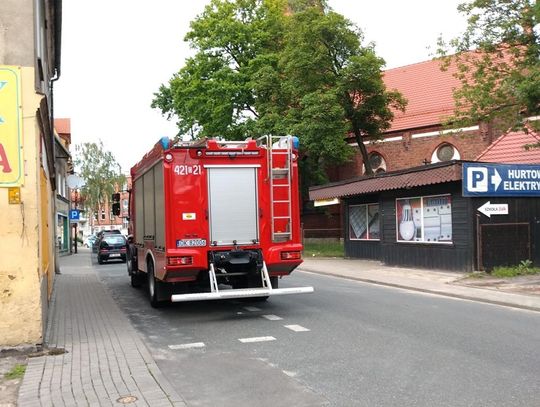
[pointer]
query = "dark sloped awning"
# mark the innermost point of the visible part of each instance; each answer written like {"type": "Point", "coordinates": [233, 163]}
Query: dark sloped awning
{"type": "Point", "coordinates": [412, 177]}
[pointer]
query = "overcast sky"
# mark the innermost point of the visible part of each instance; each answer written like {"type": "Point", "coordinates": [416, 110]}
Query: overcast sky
{"type": "Point", "coordinates": [115, 55]}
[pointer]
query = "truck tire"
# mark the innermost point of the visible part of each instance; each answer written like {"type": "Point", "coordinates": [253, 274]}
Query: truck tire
{"type": "Point", "coordinates": [155, 287]}
{"type": "Point", "coordinates": [131, 260]}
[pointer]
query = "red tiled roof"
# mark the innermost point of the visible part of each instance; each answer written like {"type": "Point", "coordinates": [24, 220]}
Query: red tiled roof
{"type": "Point", "coordinates": [412, 177]}
{"type": "Point", "coordinates": [62, 126]}
{"type": "Point", "coordinates": [509, 149]}
{"type": "Point", "coordinates": [428, 90]}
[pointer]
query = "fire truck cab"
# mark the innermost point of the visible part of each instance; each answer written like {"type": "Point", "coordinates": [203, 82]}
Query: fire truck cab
{"type": "Point", "coordinates": [210, 213]}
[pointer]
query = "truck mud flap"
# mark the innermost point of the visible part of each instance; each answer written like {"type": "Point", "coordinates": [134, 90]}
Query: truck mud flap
{"type": "Point", "coordinates": [216, 294]}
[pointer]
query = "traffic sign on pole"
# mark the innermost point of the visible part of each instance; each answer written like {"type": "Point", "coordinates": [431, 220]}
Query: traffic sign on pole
{"type": "Point", "coordinates": [74, 215]}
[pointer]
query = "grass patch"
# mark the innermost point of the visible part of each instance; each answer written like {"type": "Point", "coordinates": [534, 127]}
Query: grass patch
{"type": "Point", "coordinates": [522, 269]}
{"type": "Point", "coordinates": [324, 249]}
{"type": "Point", "coordinates": [17, 372]}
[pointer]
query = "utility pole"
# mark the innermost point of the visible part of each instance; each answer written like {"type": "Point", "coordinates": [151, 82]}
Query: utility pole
{"type": "Point", "coordinates": [76, 224]}
{"type": "Point", "coordinates": [75, 183]}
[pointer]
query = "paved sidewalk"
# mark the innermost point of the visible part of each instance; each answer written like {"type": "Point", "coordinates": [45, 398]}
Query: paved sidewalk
{"type": "Point", "coordinates": [428, 281]}
{"type": "Point", "coordinates": [105, 358]}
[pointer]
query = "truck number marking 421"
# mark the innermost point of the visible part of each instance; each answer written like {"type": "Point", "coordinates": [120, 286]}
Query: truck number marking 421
{"type": "Point", "coordinates": [187, 169]}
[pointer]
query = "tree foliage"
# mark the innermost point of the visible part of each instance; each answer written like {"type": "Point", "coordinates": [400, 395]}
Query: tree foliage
{"type": "Point", "coordinates": [334, 85]}
{"type": "Point", "coordinates": [498, 63]}
{"type": "Point", "coordinates": [101, 173]}
{"type": "Point", "coordinates": [212, 94]}
{"type": "Point", "coordinates": [281, 67]}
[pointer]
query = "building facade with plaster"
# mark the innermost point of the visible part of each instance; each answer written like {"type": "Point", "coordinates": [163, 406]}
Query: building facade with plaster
{"type": "Point", "coordinates": [29, 65]}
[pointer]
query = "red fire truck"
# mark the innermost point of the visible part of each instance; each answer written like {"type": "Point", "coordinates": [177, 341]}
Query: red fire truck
{"type": "Point", "coordinates": [211, 213]}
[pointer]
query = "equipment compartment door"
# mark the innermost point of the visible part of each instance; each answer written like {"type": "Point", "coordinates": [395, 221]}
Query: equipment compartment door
{"type": "Point", "coordinates": [232, 195]}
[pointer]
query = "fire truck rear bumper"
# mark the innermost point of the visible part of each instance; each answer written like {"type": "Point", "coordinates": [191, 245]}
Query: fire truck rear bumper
{"type": "Point", "coordinates": [240, 293]}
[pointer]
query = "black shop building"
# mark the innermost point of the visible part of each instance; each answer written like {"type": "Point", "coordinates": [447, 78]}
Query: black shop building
{"type": "Point", "coordinates": [455, 215]}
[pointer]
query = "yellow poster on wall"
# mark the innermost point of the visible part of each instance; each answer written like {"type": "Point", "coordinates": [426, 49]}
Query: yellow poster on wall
{"type": "Point", "coordinates": [11, 164]}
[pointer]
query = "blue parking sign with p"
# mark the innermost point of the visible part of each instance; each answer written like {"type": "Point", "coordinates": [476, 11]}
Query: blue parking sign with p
{"type": "Point", "coordinates": [487, 179]}
{"type": "Point", "coordinates": [74, 214]}
{"type": "Point", "coordinates": [477, 179]}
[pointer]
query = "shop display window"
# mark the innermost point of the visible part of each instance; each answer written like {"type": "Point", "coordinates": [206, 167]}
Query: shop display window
{"type": "Point", "coordinates": [424, 219]}
{"type": "Point", "coordinates": [364, 222]}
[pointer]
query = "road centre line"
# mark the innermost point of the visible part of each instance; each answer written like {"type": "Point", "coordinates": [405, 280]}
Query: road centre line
{"type": "Point", "coordinates": [272, 317]}
{"type": "Point", "coordinates": [296, 328]}
{"type": "Point", "coordinates": [187, 346]}
{"type": "Point", "coordinates": [257, 339]}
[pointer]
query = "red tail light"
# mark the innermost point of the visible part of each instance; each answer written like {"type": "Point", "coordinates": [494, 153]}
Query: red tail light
{"type": "Point", "coordinates": [103, 250]}
{"type": "Point", "coordinates": [291, 255]}
{"type": "Point", "coordinates": [180, 261]}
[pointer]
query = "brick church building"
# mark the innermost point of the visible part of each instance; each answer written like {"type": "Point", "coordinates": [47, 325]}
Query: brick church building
{"type": "Point", "coordinates": [416, 137]}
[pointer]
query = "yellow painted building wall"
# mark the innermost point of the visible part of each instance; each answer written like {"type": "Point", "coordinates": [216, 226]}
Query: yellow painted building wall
{"type": "Point", "coordinates": [25, 263]}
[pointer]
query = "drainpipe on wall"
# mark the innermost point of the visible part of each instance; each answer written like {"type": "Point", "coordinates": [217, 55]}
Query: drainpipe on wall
{"type": "Point", "coordinates": [57, 54]}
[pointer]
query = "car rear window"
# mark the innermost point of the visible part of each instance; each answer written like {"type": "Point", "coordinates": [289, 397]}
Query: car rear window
{"type": "Point", "coordinates": [114, 239]}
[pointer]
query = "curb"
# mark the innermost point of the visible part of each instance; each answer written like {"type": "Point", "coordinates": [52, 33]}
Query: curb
{"type": "Point", "coordinates": [427, 291]}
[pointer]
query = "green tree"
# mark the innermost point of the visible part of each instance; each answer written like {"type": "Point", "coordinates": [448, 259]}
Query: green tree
{"type": "Point", "coordinates": [497, 60]}
{"type": "Point", "coordinates": [212, 95]}
{"type": "Point", "coordinates": [101, 173]}
{"type": "Point", "coordinates": [281, 67]}
{"type": "Point", "coordinates": [334, 85]}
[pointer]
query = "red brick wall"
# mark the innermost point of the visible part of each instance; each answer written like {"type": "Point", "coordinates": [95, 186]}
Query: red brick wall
{"type": "Point", "coordinates": [412, 152]}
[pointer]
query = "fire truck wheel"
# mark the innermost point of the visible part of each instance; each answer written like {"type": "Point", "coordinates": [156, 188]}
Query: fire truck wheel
{"type": "Point", "coordinates": [131, 257]}
{"type": "Point", "coordinates": [154, 287]}
{"type": "Point", "coordinates": [274, 282]}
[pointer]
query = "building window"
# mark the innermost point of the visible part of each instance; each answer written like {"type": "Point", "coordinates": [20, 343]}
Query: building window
{"type": "Point", "coordinates": [445, 152]}
{"type": "Point", "coordinates": [103, 214]}
{"type": "Point", "coordinates": [95, 215]}
{"type": "Point", "coordinates": [378, 163]}
{"type": "Point", "coordinates": [62, 233]}
{"type": "Point", "coordinates": [125, 204]}
{"type": "Point", "coordinates": [364, 222]}
{"type": "Point", "coordinates": [111, 216]}
{"type": "Point", "coordinates": [424, 219]}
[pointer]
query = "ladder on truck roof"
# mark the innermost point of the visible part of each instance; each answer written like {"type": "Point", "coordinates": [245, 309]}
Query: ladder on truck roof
{"type": "Point", "coordinates": [280, 174]}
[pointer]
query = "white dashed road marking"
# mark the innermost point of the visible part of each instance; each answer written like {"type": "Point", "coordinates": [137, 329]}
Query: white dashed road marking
{"type": "Point", "coordinates": [296, 328]}
{"type": "Point", "coordinates": [272, 317]}
{"type": "Point", "coordinates": [187, 346]}
{"type": "Point", "coordinates": [252, 309]}
{"type": "Point", "coordinates": [257, 339]}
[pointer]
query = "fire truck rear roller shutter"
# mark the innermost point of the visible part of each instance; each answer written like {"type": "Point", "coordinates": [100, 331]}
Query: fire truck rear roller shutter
{"type": "Point", "coordinates": [233, 204]}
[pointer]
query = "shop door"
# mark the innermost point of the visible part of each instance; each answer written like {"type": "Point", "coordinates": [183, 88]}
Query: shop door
{"type": "Point", "coordinates": [504, 244]}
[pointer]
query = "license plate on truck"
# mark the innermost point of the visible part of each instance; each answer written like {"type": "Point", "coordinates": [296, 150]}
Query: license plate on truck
{"type": "Point", "coordinates": [191, 243]}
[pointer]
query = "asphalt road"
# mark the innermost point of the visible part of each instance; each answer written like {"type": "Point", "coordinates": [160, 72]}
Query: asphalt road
{"type": "Point", "coordinates": [348, 344]}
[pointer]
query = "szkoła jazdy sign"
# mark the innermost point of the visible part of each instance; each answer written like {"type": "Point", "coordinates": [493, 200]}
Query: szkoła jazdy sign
{"type": "Point", "coordinates": [501, 179]}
